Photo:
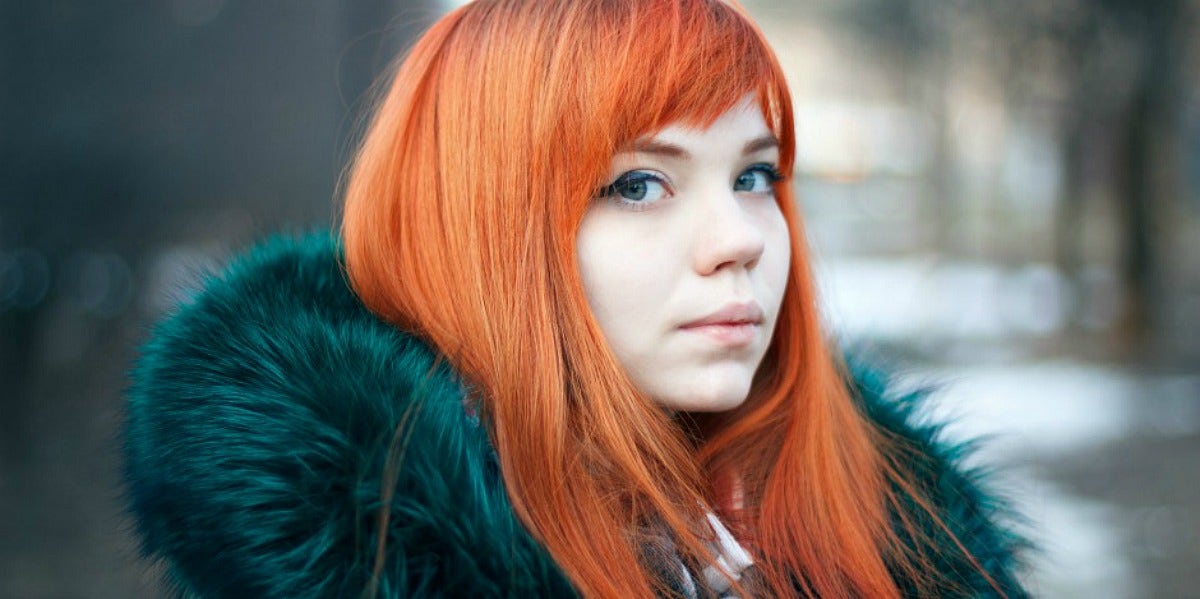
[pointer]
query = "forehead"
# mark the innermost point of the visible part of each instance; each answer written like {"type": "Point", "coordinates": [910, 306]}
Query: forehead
{"type": "Point", "coordinates": [744, 122]}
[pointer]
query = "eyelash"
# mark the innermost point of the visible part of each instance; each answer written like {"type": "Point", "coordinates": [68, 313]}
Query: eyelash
{"type": "Point", "coordinates": [774, 172]}
{"type": "Point", "coordinates": [611, 191]}
{"type": "Point", "coordinates": [770, 170]}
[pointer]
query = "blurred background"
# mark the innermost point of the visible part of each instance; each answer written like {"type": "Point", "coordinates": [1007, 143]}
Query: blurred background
{"type": "Point", "coordinates": [1003, 198]}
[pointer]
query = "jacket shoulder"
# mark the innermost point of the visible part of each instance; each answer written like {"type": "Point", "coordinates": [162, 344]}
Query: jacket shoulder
{"type": "Point", "coordinates": [984, 526]}
{"type": "Point", "coordinates": [277, 434]}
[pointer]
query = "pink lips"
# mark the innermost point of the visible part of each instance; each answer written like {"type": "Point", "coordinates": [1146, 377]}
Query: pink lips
{"type": "Point", "coordinates": [734, 325]}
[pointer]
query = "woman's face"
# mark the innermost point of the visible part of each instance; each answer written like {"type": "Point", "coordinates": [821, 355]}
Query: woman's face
{"type": "Point", "coordinates": [684, 256]}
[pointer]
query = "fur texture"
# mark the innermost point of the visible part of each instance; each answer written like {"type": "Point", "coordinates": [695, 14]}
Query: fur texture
{"type": "Point", "coordinates": [263, 413]}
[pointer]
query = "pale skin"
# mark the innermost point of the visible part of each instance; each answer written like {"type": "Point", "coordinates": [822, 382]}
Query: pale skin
{"type": "Point", "coordinates": [684, 257]}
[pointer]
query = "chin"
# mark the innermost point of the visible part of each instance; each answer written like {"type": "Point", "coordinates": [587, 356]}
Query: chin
{"type": "Point", "coordinates": [713, 399]}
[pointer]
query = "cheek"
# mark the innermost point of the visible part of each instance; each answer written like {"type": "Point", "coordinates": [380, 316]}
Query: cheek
{"type": "Point", "coordinates": [599, 254]}
{"type": "Point", "coordinates": [622, 285]}
{"type": "Point", "coordinates": [774, 267]}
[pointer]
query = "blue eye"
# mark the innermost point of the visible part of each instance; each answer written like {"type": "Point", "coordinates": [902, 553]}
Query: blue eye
{"type": "Point", "coordinates": [635, 189]}
{"type": "Point", "coordinates": [759, 178]}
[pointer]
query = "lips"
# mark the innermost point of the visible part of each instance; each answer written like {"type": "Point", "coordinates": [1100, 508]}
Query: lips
{"type": "Point", "coordinates": [734, 325]}
{"type": "Point", "coordinates": [730, 315]}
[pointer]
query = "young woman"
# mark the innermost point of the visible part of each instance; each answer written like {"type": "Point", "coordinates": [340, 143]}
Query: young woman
{"type": "Point", "coordinates": [566, 343]}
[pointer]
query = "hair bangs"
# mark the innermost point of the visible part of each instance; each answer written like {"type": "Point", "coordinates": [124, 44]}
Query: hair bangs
{"type": "Point", "coordinates": [687, 61]}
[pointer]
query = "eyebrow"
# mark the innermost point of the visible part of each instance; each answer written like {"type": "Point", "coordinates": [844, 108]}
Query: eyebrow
{"type": "Point", "coordinates": [651, 146]}
{"type": "Point", "coordinates": [762, 143]}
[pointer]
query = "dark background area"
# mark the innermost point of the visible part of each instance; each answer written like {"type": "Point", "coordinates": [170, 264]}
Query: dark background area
{"type": "Point", "coordinates": [139, 142]}
{"type": "Point", "coordinates": [1005, 194]}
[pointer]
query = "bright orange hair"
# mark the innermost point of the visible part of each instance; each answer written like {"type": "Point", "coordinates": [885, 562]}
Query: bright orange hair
{"type": "Point", "coordinates": [461, 210]}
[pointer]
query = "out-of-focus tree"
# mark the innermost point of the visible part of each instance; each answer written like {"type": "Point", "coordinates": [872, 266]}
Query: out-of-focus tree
{"type": "Point", "coordinates": [915, 36]}
{"type": "Point", "coordinates": [1122, 64]}
{"type": "Point", "coordinates": [1115, 73]}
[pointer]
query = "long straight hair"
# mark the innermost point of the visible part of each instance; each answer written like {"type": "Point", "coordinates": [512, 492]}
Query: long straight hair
{"type": "Point", "coordinates": [460, 219]}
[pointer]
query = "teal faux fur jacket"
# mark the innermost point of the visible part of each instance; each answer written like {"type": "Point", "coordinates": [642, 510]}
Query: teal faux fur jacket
{"type": "Point", "coordinates": [260, 417]}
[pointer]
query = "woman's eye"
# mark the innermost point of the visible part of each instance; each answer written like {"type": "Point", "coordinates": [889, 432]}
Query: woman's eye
{"type": "Point", "coordinates": [759, 178]}
{"type": "Point", "coordinates": [636, 188]}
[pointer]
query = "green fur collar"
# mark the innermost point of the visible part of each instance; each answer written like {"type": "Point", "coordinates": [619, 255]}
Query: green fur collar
{"type": "Point", "coordinates": [259, 421]}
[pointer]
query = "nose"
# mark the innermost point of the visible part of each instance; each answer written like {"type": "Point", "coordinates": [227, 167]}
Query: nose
{"type": "Point", "coordinates": [729, 236]}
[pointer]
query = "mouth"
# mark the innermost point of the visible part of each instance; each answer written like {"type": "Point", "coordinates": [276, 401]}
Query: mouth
{"type": "Point", "coordinates": [734, 325]}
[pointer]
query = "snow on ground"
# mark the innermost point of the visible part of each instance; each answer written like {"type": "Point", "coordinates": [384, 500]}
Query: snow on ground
{"type": "Point", "coordinates": [1029, 411]}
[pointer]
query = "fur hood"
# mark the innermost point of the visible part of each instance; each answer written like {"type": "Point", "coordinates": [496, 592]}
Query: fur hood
{"type": "Point", "coordinates": [257, 436]}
